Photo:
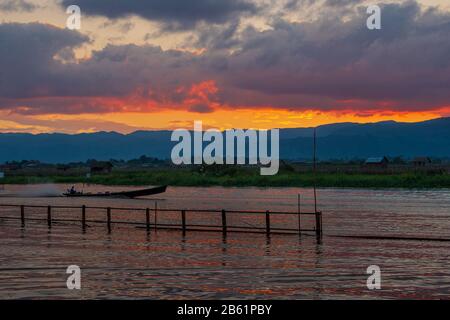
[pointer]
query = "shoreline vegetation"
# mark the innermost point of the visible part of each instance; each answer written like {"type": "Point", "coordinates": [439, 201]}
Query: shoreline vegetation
{"type": "Point", "coordinates": [241, 177]}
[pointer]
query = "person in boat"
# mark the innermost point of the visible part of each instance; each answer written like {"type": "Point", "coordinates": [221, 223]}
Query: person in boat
{"type": "Point", "coordinates": [72, 190]}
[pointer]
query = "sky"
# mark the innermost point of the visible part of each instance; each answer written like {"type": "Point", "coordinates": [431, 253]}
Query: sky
{"type": "Point", "coordinates": [163, 64]}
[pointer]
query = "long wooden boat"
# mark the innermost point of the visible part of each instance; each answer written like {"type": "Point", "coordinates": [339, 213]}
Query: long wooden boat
{"type": "Point", "coordinates": [123, 194]}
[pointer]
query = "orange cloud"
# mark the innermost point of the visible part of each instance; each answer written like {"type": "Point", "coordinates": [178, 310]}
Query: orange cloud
{"type": "Point", "coordinates": [222, 118]}
{"type": "Point", "coordinates": [201, 97]}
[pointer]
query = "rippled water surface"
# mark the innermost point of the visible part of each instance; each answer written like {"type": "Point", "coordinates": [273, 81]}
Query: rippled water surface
{"type": "Point", "coordinates": [131, 263]}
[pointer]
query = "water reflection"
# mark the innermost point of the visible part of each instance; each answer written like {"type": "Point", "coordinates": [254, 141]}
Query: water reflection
{"type": "Point", "coordinates": [132, 262]}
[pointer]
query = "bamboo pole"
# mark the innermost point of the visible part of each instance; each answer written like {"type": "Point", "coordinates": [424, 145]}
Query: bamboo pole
{"type": "Point", "coordinates": [108, 216]}
{"type": "Point", "coordinates": [156, 215]}
{"type": "Point", "coordinates": [224, 222]}
{"type": "Point", "coordinates": [183, 220]}
{"type": "Point", "coordinates": [147, 218]}
{"type": "Point", "coordinates": [83, 216]}
{"type": "Point", "coordinates": [22, 215]}
{"type": "Point", "coordinates": [268, 222]}
{"type": "Point", "coordinates": [49, 216]}
{"type": "Point", "coordinates": [315, 171]}
{"type": "Point", "coordinates": [299, 215]}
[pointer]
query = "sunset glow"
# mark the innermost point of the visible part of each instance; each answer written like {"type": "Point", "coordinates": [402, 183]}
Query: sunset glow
{"type": "Point", "coordinates": [229, 65]}
{"type": "Point", "coordinates": [128, 122]}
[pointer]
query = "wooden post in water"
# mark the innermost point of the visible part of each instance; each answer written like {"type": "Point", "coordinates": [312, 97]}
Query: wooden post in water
{"type": "Point", "coordinates": [224, 222]}
{"type": "Point", "coordinates": [147, 218]}
{"type": "Point", "coordinates": [49, 216]}
{"type": "Point", "coordinates": [22, 215]}
{"type": "Point", "coordinates": [320, 221]}
{"type": "Point", "coordinates": [315, 170]}
{"type": "Point", "coordinates": [183, 220]}
{"type": "Point", "coordinates": [299, 216]}
{"type": "Point", "coordinates": [83, 216]}
{"type": "Point", "coordinates": [156, 215]}
{"type": "Point", "coordinates": [319, 225]}
{"type": "Point", "coordinates": [108, 216]}
{"type": "Point", "coordinates": [268, 222]}
{"type": "Point", "coordinates": [318, 214]}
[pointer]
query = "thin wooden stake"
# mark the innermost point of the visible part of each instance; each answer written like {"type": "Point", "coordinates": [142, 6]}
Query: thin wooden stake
{"type": "Point", "coordinates": [108, 215]}
{"type": "Point", "coordinates": [224, 221]}
{"type": "Point", "coordinates": [22, 215]}
{"type": "Point", "coordinates": [315, 171]}
{"type": "Point", "coordinates": [156, 215]}
{"type": "Point", "coordinates": [183, 220]}
{"type": "Point", "coordinates": [147, 218]}
{"type": "Point", "coordinates": [299, 216]}
{"type": "Point", "coordinates": [319, 225]}
{"type": "Point", "coordinates": [49, 216]}
{"type": "Point", "coordinates": [83, 216]}
{"type": "Point", "coordinates": [268, 222]}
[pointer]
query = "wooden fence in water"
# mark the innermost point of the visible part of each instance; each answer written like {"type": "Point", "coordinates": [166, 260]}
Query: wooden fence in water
{"type": "Point", "coordinates": [267, 222]}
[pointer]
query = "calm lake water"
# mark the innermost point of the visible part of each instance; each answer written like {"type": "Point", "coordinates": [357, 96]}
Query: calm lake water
{"type": "Point", "coordinates": [131, 263]}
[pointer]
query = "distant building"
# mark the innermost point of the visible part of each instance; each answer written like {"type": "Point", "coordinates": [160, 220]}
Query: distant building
{"type": "Point", "coordinates": [101, 167]}
{"type": "Point", "coordinates": [377, 162]}
{"type": "Point", "coordinates": [421, 161]}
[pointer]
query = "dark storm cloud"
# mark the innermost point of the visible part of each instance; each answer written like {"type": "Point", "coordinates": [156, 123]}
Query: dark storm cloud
{"type": "Point", "coordinates": [325, 64]}
{"type": "Point", "coordinates": [294, 4]}
{"type": "Point", "coordinates": [33, 81]}
{"type": "Point", "coordinates": [17, 5]}
{"type": "Point", "coordinates": [406, 61]}
{"type": "Point", "coordinates": [335, 3]}
{"type": "Point", "coordinates": [172, 13]}
{"type": "Point", "coordinates": [201, 108]}
{"type": "Point", "coordinates": [27, 66]}
{"type": "Point", "coordinates": [218, 37]}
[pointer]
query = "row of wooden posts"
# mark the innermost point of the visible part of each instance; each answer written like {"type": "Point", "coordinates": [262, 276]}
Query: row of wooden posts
{"type": "Point", "coordinates": [184, 226]}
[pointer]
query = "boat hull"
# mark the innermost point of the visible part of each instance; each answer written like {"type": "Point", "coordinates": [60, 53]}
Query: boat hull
{"type": "Point", "coordinates": [124, 194]}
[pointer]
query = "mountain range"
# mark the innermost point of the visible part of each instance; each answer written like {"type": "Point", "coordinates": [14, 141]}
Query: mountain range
{"type": "Point", "coordinates": [334, 141]}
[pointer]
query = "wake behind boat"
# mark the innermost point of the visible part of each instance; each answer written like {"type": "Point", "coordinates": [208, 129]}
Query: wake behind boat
{"type": "Point", "coordinates": [72, 193]}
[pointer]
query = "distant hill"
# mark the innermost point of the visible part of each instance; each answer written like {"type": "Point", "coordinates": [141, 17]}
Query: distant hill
{"type": "Point", "coordinates": [335, 141]}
